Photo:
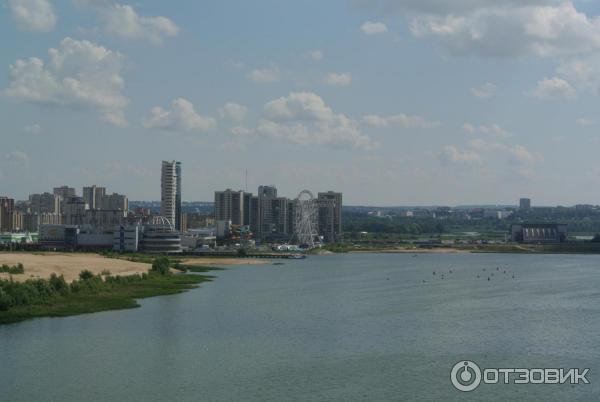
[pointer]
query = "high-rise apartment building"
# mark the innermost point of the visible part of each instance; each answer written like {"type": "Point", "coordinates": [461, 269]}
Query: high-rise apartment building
{"type": "Point", "coordinates": [7, 209]}
{"type": "Point", "coordinates": [93, 196]}
{"type": "Point", "coordinates": [264, 223]}
{"type": "Point", "coordinates": [115, 201]}
{"type": "Point", "coordinates": [232, 206]}
{"type": "Point", "coordinates": [44, 203]}
{"type": "Point", "coordinates": [65, 192]}
{"type": "Point", "coordinates": [74, 211]}
{"type": "Point", "coordinates": [525, 204]}
{"type": "Point", "coordinates": [330, 216]}
{"type": "Point", "coordinates": [170, 198]}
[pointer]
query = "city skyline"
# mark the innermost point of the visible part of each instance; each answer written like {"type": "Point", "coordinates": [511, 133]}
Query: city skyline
{"type": "Point", "coordinates": [391, 103]}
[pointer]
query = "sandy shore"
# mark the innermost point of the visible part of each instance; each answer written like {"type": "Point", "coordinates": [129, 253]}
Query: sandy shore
{"type": "Point", "coordinates": [41, 265]}
{"type": "Point", "coordinates": [220, 261]}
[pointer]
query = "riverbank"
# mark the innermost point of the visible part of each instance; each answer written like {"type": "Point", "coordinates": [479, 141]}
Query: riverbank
{"type": "Point", "coordinates": [561, 248]}
{"type": "Point", "coordinates": [218, 261]}
{"type": "Point", "coordinates": [95, 294]}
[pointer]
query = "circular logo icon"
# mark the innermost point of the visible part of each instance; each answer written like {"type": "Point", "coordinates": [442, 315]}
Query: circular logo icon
{"type": "Point", "coordinates": [465, 375]}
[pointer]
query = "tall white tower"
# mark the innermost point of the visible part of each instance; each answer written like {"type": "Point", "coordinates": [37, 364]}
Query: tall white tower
{"type": "Point", "coordinates": [170, 197]}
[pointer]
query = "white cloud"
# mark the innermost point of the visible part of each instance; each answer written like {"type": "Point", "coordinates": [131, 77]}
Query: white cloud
{"type": "Point", "coordinates": [518, 154]}
{"type": "Point", "coordinates": [487, 90]}
{"type": "Point", "coordinates": [494, 130]}
{"type": "Point", "coordinates": [33, 129]}
{"type": "Point", "coordinates": [316, 55]}
{"type": "Point", "coordinates": [241, 131]}
{"type": "Point", "coordinates": [508, 29]}
{"type": "Point", "coordinates": [123, 21]}
{"type": "Point", "coordinates": [339, 79]}
{"type": "Point", "coordinates": [491, 129]}
{"type": "Point", "coordinates": [78, 74]}
{"type": "Point", "coordinates": [582, 121]}
{"type": "Point", "coordinates": [522, 155]}
{"type": "Point", "coordinates": [265, 75]}
{"type": "Point", "coordinates": [181, 117]}
{"type": "Point", "coordinates": [233, 111]}
{"type": "Point", "coordinates": [116, 118]}
{"type": "Point", "coordinates": [554, 88]}
{"type": "Point", "coordinates": [304, 118]}
{"type": "Point", "coordinates": [469, 128]}
{"type": "Point", "coordinates": [399, 120]}
{"type": "Point", "coordinates": [482, 145]}
{"type": "Point", "coordinates": [373, 28]}
{"type": "Point", "coordinates": [33, 15]}
{"type": "Point", "coordinates": [582, 73]}
{"type": "Point", "coordinates": [451, 155]}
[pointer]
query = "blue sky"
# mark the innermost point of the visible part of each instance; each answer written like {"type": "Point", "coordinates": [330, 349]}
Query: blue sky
{"type": "Point", "coordinates": [400, 102]}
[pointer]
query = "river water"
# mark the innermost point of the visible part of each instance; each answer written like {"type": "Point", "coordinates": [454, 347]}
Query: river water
{"type": "Point", "coordinates": [353, 327]}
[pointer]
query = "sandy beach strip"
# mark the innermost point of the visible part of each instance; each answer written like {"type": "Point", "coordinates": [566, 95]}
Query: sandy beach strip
{"type": "Point", "coordinates": [42, 265]}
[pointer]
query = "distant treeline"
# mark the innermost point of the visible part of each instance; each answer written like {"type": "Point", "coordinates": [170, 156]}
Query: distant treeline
{"type": "Point", "coordinates": [415, 226]}
{"type": "Point", "coordinates": [359, 222]}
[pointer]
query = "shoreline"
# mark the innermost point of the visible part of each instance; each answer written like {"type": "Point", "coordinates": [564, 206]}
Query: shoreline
{"type": "Point", "coordinates": [115, 293]}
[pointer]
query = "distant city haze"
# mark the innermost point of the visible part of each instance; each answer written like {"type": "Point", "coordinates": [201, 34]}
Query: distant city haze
{"type": "Point", "coordinates": [389, 102]}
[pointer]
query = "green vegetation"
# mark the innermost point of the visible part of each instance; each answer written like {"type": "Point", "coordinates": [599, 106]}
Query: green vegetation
{"type": "Point", "coordinates": [91, 293]}
{"type": "Point", "coordinates": [338, 247]}
{"type": "Point", "coordinates": [161, 265]}
{"type": "Point", "coordinates": [15, 269]}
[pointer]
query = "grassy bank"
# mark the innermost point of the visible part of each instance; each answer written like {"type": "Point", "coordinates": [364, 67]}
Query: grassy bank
{"type": "Point", "coordinates": [89, 294]}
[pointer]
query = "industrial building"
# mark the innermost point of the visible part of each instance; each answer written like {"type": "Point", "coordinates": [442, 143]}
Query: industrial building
{"type": "Point", "coordinates": [539, 233]}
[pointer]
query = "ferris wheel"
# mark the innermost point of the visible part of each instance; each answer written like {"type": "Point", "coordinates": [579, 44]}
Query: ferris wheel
{"type": "Point", "coordinates": [306, 216]}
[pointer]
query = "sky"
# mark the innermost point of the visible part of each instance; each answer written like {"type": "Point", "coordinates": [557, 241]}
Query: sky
{"type": "Point", "coordinates": [405, 102]}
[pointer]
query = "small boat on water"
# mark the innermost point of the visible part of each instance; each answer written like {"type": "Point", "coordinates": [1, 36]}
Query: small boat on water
{"type": "Point", "coordinates": [297, 256]}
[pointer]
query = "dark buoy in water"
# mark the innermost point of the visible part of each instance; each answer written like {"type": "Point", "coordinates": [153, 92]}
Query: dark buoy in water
{"type": "Point", "coordinates": [513, 276]}
{"type": "Point", "coordinates": [497, 268]}
{"type": "Point", "coordinates": [505, 271]}
{"type": "Point", "coordinates": [434, 272]}
{"type": "Point", "coordinates": [450, 271]}
{"type": "Point", "coordinates": [488, 278]}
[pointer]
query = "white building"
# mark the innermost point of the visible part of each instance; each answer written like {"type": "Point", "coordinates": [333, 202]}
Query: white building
{"type": "Point", "coordinates": [170, 192]}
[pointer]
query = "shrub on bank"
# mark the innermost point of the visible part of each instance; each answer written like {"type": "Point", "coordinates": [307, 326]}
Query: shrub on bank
{"type": "Point", "coordinates": [15, 269]}
{"type": "Point", "coordinates": [161, 265]}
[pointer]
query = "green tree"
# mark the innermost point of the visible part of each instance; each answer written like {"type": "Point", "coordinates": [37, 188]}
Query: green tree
{"type": "Point", "coordinates": [161, 265]}
{"type": "Point", "coordinates": [86, 275]}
